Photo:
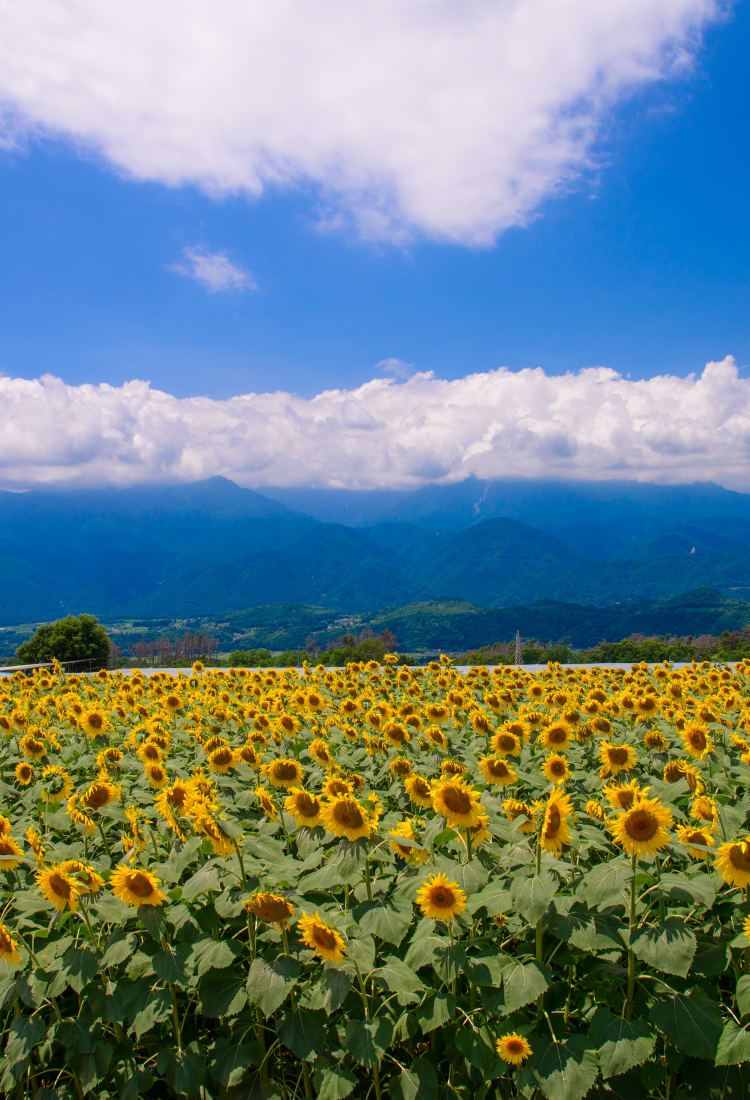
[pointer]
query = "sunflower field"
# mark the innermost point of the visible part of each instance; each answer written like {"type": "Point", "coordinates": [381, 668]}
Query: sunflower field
{"type": "Point", "coordinates": [376, 882]}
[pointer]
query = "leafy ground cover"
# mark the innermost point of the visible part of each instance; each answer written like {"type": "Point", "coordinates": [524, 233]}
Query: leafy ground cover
{"type": "Point", "coordinates": [381, 882]}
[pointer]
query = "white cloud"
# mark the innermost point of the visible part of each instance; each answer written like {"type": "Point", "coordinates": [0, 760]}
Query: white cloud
{"type": "Point", "coordinates": [451, 118]}
{"type": "Point", "coordinates": [395, 368]}
{"type": "Point", "coordinates": [593, 424]}
{"type": "Point", "coordinates": [213, 270]}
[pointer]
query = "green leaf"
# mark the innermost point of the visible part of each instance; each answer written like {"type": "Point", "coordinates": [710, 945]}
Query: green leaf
{"type": "Point", "coordinates": [157, 1008]}
{"type": "Point", "coordinates": [622, 1044]}
{"type": "Point", "coordinates": [329, 990]}
{"type": "Point", "coordinates": [178, 859]}
{"type": "Point", "coordinates": [384, 920]}
{"type": "Point", "coordinates": [230, 1061]}
{"type": "Point", "coordinates": [335, 1083]}
{"type": "Point", "coordinates": [110, 909]}
{"type": "Point", "coordinates": [303, 1032]}
{"type": "Point", "coordinates": [693, 1022]}
{"type": "Point", "coordinates": [425, 946]}
{"type": "Point", "coordinates": [450, 962]}
{"type": "Point", "coordinates": [495, 898]}
{"type": "Point", "coordinates": [682, 888]}
{"type": "Point", "coordinates": [362, 952]}
{"type": "Point", "coordinates": [229, 904]}
{"type": "Point", "coordinates": [531, 896]}
{"type": "Point", "coordinates": [607, 884]}
{"type": "Point", "coordinates": [400, 979]}
{"type": "Point", "coordinates": [119, 948]}
{"type": "Point", "coordinates": [564, 1070]}
{"type": "Point", "coordinates": [669, 947]}
{"type": "Point", "coordinates": [522, 983]}
{"type": "Point", "coordinates": [25, 1034]}
{"type": "Point", "coordinates": [211, 955]}
{"type": "Point", "coordinates": [486, 969]}
{"type": "Point", "coordinates": [222, 992]}
{"type": "Point", "coordinates": [171, 965]}
{"type": "Point", "coordinates": [734, 1045]}
{"type": "Point", "coordinates": [269, 984]}
{"type": "Point", "coordinates": [419, 1080]}
{"type": "Point", "coordinates": [435, 1010]}
{"type": "Point", "coordinates": [202, 882]}
{"type": "Point", "coordinates": [743, 994]}
{"type": "Point", "coordinates": [478, 1051]}
{"type": "Point", "coordinates": [184, 1070]}
{"type": "Point", "coordinates": [368, 1040]}
{"type": "Point", "coordinates": [80, 966]}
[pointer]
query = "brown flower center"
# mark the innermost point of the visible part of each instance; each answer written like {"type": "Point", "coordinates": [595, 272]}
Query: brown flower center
{"type": "Point", "coordinates": [618, 755]}
{"type": "Point", "coordinates": [96, 797]}
{"type": "Point", "coordinates": [456, 800]}
{"type": "Point", "coordinates": [283, 770]}
{"type": "Point", "coordinates": [506, 743]}
{"type": "Point", "coordinates": [139, 885]}
{"type": "Point", "coordinates": [348, 814]}
{"type": "Point", "coordinates": [553, 822]}
{"type": "Point", "coordinates": [498, 769]}
{"type": "Point", "coordinates": [307, 805]}
{"type": "Point", "coordinates": [441, 897]}
{"type": "Point", "coordinates": [324, 938]}
{"type": "Point", "coordinates": [739, 857]}
{"type": "Point", "coordinates": [59, 885]}
{"type": "Point", "coordinates": [641, 825]}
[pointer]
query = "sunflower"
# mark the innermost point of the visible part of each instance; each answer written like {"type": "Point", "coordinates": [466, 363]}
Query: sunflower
{"type": "Point", "coordinates": [149, 753]}
{"type": "Point", "coordinates": [79, 816]}
{"type": "Point", "coordinates": [513, 1048]}
{"type": "Point", "coordinates": [733, 862]}
{"type": "Point", "coordinates": [556, 768]}
{"type": "Point", "coordinates": [173, 703]}
{"type": "Point", "coordinates": [89, 882]}
{"type": "Point", "coordinates": [345, 816]}
{"type": "Point", "coordinates": [98, 794]}
{"type": "Point", "coordinates": [24, 773]}
{"type": "Point", "coordinates": [407, 852]}
{"type": "Point", "coordinates": [514, 810]}
{"type": "Point", "coordinates": [9, 853]}
{"type": "Point", "coordinates": [555, 834]}
{"type": "Point", "coordinates": [303, 806]}
{"type": "Point", "coordinates": [283, 772]}
{"type": "Point", "coordinates": [266, 803]}
{"type": "Point", "coordinates": [418, 790]}
{"type": "Point", "coordinates": [655, 741]}
{"type": "Point", "coordinates": [704, 808]}
{"type": "Point", "coordinates": [156, 775]}
{"type": "Point", "coordinates": [93, 722]}
{"type": "Point", "coordinates": [457, 801]}
{"type": "Point", "coordinates": [696, 740]}
{"type": "Point", "coordinates": [8, 947]}
{"type": "Point", "coordinates": [318, 748]}
{"type": "Point", "coordinates": [59, 887]}
{"type": "Point", "coordinates": [622, 796]}
{"type": "Point", "coordinates": [206, 824]}
{"type": "Point", "coordinates": [497, 771]}
{"type": "Point", "coordinates": [321, 937]}
{"type": "Point", "coordinates": [270, 908]}
{"type": "Point", "coordinates": [616, 758]}
{"type": "Point", "coordinates": [595, 809]}
{"type": "Point", "coordinates": [675, 770]}
{"type": "Point", "coordinates": [690, 835]}
{"type": "Point", "coordinates": [136, 886]}
{"type": "Point", "coordinates": [556, 737]}
{"type": "Point", "coordinates": [435, 735]}
{"type": "Point", "coordinates": [440, 898]}
{"type": "Point", "coordinates": [396, 733]}
{"type": "Point", "coordinates": [506, 743]}
{"type": "Point", "coordinates": [32, 746]}
{"type": "Point", "coordinates": [221, 760]}
{"type": "Point", "coordinates": [400, 766]}
{"type": "Point", "coordinates": [746, 928]}
{"type": "Point", "coordinates": [249, 756]}
{"type": "Point", "coordinates": [642, 830]}
{"type": "Point", "coordinates": [34, 840]}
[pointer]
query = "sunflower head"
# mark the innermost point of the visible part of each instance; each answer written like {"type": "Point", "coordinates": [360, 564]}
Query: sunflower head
{"type": "Point", "coordinates": [497, 771]}
{"type": "Point", "coordinates": [324, 940]}
{"type": "Point", "coordinates": [555, 768]}
{"type": "Point", "coordinates": [59, 887]}
{"type": "Point", "coordinates": [8, 947]}
{"type": "Point", "coordinates": [418, 790]}
{"type": "Point", "coordinates": [24, 773]}
{"type": "Point", "coordinates": [270, 908]}
{"type": "Point", "coordinates": [513, 1048]}
{"type": "Point", "coordinates": [440, 898]}
{"type": "Point", "coordinates": [136, 887]}
{"type": "Point", "coordinates": [643, 829]}
{"type": "Point", "coordinates": [303, 806]}
{"type": "Point", "coordinates": [283, 772]}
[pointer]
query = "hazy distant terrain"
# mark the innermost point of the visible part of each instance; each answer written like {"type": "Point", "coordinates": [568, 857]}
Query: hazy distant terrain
{"type": "Point", "coordinates": [212, 549]}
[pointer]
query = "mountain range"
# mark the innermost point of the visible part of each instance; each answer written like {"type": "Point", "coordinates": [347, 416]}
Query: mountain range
{"type": "Point", "coordinates": [212, 548]}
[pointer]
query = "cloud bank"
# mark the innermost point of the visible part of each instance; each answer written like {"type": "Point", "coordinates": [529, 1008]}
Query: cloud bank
{"type": "Point", "coordinates": [593, 424]}
{"type": "Point", "coordinates": [213, 270]}
{"type": "Point", "coordinates": [454, 119]}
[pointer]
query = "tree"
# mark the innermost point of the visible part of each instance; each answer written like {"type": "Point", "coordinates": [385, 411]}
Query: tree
{"type": "Point", "coordinates": [68, 639]}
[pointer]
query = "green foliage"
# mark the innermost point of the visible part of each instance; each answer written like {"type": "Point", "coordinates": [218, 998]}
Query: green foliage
{"type": "Point", "coordinates": [68, 639]}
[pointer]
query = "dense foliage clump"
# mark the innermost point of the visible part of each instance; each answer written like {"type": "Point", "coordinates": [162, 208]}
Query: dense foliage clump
{"type": "Point", "coordinates": [381, 881]}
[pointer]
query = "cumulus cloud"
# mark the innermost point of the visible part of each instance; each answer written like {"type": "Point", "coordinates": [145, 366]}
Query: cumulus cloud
{"type": "Point", "coordinates": [453, 118]}
{"type": "Point", "coordinates": [592, 424]}
{"type": "Point", "coordinates": [213, 270]}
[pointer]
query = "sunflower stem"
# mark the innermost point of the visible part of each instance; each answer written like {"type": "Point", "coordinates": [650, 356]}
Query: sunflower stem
{"type": "Point", "coordinates": [631, 956]}
{"type": "Point", "coordinates": [368, 882]}
{"type": "Point", "coordinates": [467, 836]}
{"type": "Point", "coordinates": [243, 876]}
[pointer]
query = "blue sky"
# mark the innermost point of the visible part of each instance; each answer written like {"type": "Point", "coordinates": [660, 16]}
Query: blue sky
{"type": "Point", "coordinates": [639, 263]}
